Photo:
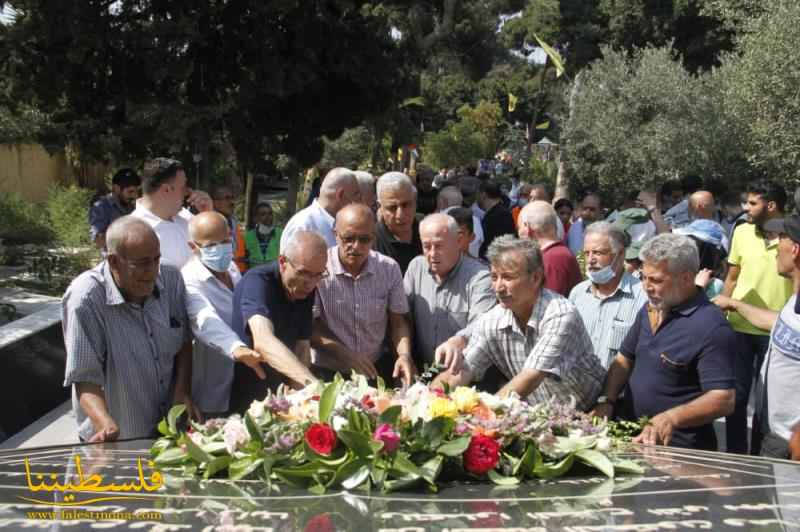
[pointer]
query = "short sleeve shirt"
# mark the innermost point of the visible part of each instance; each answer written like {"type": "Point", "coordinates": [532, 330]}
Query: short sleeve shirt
{"type": "Point", "coordinates": [561, 270]}
{"type": "Point", "coordinates": [261, 293]}
{"type": "Point", "coordinates": [402, 252]}
{"type": "Point", "coordinates": [312, 218]}
{"type": "Point", "coordinates": [758, 283]}
{"type": "Point", "coordinates": [103, 212]}
{"type": "Point", "coordinates": [173, 235]}
{"type": "Point", "coordinates": [691, 353]}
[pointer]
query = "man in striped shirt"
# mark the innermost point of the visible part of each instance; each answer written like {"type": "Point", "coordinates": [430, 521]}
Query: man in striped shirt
{"type": "Point", "coordinates": [534, 336]}
{"type": "Point", "coordinates": [362, 294]}
{"type": "Point", "coordinates": [127, 337]}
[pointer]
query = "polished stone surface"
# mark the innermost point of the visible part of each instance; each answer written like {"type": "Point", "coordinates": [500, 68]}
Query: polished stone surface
{"type": "Point", "coordinates": [681, 490]}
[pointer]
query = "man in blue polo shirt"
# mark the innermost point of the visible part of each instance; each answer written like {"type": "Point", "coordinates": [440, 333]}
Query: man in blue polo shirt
{"type": "Point", "coordinates": [677, 359]}
{"type": "Point", "coordinates": [272, 314]}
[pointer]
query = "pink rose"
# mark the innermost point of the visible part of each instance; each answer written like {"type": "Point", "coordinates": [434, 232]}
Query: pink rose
{"type": "Point", "coordinates": [390, 439]}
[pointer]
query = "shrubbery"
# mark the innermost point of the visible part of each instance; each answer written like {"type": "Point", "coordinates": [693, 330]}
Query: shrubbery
{"type": "Point", "coordinates": [22, 221]}
{"type": "Point", "coordinates": [68, 211]}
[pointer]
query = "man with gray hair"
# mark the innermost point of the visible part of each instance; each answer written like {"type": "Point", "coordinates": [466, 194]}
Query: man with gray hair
{"type": "Point", "coordinates": [272, 313]}
{"type": "Point", "coordinates": [450, 198]}
{"type": "Point", "coordinates": [397, 231]}
{"type": "Point", "coordinates": [678, 358]}
{"type": "Point", "coordinates": [127, 337]}
{"type": "Point", "coordinates": [339, 188]}
{"type": "Point", "coordinates": [609, 300]}
{"type": "Point", "coordinates": [535, 337]}
{"type": "Point", "coordinates": [538, 221]}
{"type": "Point", "coordinates": [366, 185]}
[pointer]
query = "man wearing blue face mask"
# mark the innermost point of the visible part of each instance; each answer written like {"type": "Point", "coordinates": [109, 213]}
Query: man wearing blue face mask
{"type": "Point", "coordinates": [210, 277]}
{"type": "Point", "coordinates": [610, 298]}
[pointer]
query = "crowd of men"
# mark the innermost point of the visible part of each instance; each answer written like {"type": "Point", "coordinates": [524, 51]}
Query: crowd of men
{"type": "Point", "coordinates": [669, 313]}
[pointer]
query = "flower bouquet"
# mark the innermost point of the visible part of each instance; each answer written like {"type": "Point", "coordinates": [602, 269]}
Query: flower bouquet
{"type": "Point", "coordinates": [347, 434]}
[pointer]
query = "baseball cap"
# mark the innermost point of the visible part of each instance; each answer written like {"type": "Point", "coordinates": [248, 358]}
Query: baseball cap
{"type": "Point", "coordinates": [789, 226]}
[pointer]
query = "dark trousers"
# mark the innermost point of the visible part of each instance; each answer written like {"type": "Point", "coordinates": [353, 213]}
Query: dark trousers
{"type": "Point", "coordinates": [384, 365]}
{"type": "Point", "coordinates": [747, 364]}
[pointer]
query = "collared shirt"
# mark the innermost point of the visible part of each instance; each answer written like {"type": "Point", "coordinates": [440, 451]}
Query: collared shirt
{"type": "Point", "coordinates": [355, 309]}
{"type": "Point", "coordinates": [759, 283]}
{"type": "Point", "coordinates": [780, 374]}
{"type": "Point", "coordinates": [312, 218]}
{"type": "Point", "coordinates": [402, 252]}
{"type": "Point", "coordinates": [209, 304]}
{"type": "Point", "coordinates": [127, 349]}
{"type": "Point", "coordinates": [554, 341]}
{"type": "Point", "coordinates": [690, 353]}
{"type": "Point", "coordinates": [439, 311]}
{"type": "Point", "coordinates": [678, 215]}
{"type": "Point", "coordinates": [173, 235]}
{"type": "Point", "coordinates": [608, 319]}
{"type": "Point", "coordinates": [561, 270]}
{"type": "Point", "coordinates": [261, 293]}
{"type": "Point", "coordinates": [104, 211]}
{"type": "Point", "coordinates": [575, 236]}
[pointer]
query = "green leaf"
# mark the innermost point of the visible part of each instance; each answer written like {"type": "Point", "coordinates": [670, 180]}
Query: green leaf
{"type": "Point", "coordinates": [455, 447]}
{"type": "Point", "coordinates": [171, 457]}
{"type": "Point", "coordinates": [399, 483]}
{"type": "Point", "coordinates": [435, 430]}
{"type": "Point", "coordinates": [430, 470]}
{"type": "Point", "coordinates": [628, 466]}
{"type": "Point", "coordinates": [328, 400]}
{"type": "Point", "coordinates": [357, 442]}
{"type": "Point", "coordinates": [163, 428]}
{"type": "Point", "coordinates": [216, 465]}
{"type": "Point", "coordinates": [526, 462]}
{"type": "Point", "coordinates": [390, 415]}
{"type": "Point", "coordinates": [405, 466]}
{"type": "Point", "coordinates": [160, 445]}
{"type": "Point", "coordinates": [239, 469]}
{"type": "Point", "coordinates": [552, 470]}
{"type": "Point", "coordinates": [215, 447]}
{"type": "Point", "coordinates": [597, 460]}
{"type": "Point", "coordinates": [501, 480]}
{"type": "Point", "coordinates": [357, 478]}
{"type": "Point", "coordinates": [252, 428]}
{"type": "Point", "coordinates": [197, 454]}
{"type": "Point", "coordinates": [317, 489]}
{"type": "Point", "coordinates": [172, 417]}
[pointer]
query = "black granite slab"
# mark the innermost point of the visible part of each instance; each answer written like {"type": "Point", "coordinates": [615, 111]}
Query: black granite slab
{"type": "Point", "coordinates": [681, 490]}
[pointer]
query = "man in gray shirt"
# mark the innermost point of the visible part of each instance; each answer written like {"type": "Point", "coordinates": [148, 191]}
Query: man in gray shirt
{"type": "Point", "coordinates": [446, 290]}
{"type": "Point", "coordinates": [127, 337]}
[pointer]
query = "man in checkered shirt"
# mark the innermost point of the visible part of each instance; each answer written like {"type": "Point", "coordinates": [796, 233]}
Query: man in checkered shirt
{"type": "Point", "coordinates": [535, 337]}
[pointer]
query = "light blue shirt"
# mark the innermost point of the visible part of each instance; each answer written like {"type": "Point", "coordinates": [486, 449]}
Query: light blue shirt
{"type": "Point", "coordinates": [608, 319]}
{"type": "Point", "coordinates": [575, 237]}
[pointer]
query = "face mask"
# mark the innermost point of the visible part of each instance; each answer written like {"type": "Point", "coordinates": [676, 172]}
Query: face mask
{"type": "Point", "coordinates": [264, 229]}
{"type": "Point", "coordinates": [218, 257]}
{"type": "Point", "coordinates": [603, 275]}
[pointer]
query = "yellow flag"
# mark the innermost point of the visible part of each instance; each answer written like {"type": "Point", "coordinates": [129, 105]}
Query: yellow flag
{"type": "Point", "coordinates": [512, 102]}
{"type": "Point", "coordinates": [543, 125]}
{"type": "Point", "coordinates": [554, 56]}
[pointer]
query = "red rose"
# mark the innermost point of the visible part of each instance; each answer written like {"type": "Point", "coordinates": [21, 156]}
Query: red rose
{"type": "Point", "coordinates": [482, 454]}
{"type": "Point", "coordinates": [321, 438]}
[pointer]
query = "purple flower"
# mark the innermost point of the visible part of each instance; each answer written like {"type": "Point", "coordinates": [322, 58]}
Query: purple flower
{"type": "Point", "coordinates": [386, 434]}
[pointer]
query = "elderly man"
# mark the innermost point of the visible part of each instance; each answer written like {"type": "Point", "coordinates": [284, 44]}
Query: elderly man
{"type": "Point", "coordinates": [272, 314]}
{"type": "Point", "coordinates": [446, 289]}
{"type": "Point", "coordinates": [366, 185]}
{"type": "Point", "coordinates": [339, 188]}
{"type": "Point", "coordinates": [398, 232]}
{"type": "Point", "coordinates": [534, 336]}
{"type": "Point", "coordinates": [609, 300]}
{"type": "Point", "coordinates": [678, 358]}
{"type": "Point", "coordinates": [449, 198]}
{"type": "Point", "coordinates": [164, 191]}
{"type": "Point", "coordinates": [210, 277]}
{"type": "Point", "coordinates": [118, 203]}
{"type": "Point", "coordinates": [362, 294]}
{"type": "Point", "coordinates": [127, 338]}
{"type": "Point", "coordinates": [590, 212]}
{"type": "Point", "coordinates": [538, 222]}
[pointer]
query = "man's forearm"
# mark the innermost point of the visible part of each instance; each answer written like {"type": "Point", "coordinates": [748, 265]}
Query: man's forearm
{"type": "Point", "coordinates": [400, 332]}
{"type": "Point", "coordinates": [730, 280]}
{"type": "Point", "coordinates": [705, 409]}
{"type": "Point", "coordinates": [763, 318]}
{"type": "Point", "coordinates": [93, 402]}
{"type": "Point", "coordinates": [183, 370]}
{"type": "Point", "coordinates": [276, 353]}
{"type": "Point", "coordinates": [323, 339]}
{"type": "Point", "coordinates": [524, 383]}
{"type": "Point", "coordinates": [617, 376]}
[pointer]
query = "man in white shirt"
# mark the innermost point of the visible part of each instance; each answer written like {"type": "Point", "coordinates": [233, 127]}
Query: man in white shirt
{"type": "Point", "coordinates": [161, 206]}
{"type": "Point", "coordinates": [210, 276]}
{"type": "Point", "coordinates": [339, 188]}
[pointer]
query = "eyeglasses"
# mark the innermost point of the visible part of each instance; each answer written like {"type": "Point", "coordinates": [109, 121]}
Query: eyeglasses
{"type": "Point", "coordinates": [361, 239]}
{"type": "Point", "coordinates": [307, 275]}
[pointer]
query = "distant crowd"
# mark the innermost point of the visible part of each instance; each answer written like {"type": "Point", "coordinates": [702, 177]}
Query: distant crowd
{"type": "Point", "coordinates": [669, 305]}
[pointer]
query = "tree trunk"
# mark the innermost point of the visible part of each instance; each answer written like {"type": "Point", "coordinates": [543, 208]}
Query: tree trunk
{"type": "Point", "coordinates": [563, 178]}
{"type": "Point", "coordinates": [248, 196]}
{"type": "Point", "coordinates": [291, 194]}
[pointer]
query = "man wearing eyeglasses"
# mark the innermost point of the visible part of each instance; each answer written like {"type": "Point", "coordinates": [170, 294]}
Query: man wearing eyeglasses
{"type": "Point", "coordinates": [272, 313]}
{"type": "Point", "coordinates": [361, 296]}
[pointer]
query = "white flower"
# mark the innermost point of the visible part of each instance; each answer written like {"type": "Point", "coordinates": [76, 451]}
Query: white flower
{"type": "Point", "coordinates": [603, 444]}
{"type": "Point", "coordinates": [196, 437]}
{"type": "Point", "coordinates": [256, 410]}
{"type": "Point", "coordinates": [235, 434]}
{"type": "Point", "coordinates": [338, 423]}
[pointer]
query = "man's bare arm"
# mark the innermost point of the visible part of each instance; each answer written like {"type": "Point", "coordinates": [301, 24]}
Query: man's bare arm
{"type": "Point", "coordinates": [275, 352]}
{"type": "Point", "coordinates": [93, 402]}
{"type": "Point", "coordinates": [763, 318]}
{"type": "Point", "coordinates": [400, 333]}
{"type": "Point", "coordinates": [524, 383]}
{"type": "Point", "coordinates": [730, 280]}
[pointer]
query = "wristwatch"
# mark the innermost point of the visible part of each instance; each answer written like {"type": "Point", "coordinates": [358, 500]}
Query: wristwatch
{"type": "Point", "coordinates": [603, 400]}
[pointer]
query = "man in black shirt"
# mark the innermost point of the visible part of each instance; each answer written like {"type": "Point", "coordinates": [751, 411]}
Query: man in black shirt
{"type": "Point", "coordinates": [498, 220]}
{"type": "Point", "coordinates": [397, 231]}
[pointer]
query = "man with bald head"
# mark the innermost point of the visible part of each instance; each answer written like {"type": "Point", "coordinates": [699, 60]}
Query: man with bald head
{"type": "Point", "coordinates": [450, 198]}
{"type": "Point", "coordinates": [538, 221]}
{"type": "Point", "coordinates": [397, 231]}
{"type": "Point", "coordinates": [361, 295]}
{"type": "Point", "coordinates": [127, 338]}
{"type": "Point", "coordinates": [339, 188]}
{"type": "Point", "coordinates": [272, 313]}
{"type": "Point", "coordinates": [210, 277]}
{"type": "Point", "coordinates": [446, 289]}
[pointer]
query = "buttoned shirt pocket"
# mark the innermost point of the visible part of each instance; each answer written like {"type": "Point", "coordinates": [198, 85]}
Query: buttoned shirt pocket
{"type": "Point", "coordinates": [169, 337]}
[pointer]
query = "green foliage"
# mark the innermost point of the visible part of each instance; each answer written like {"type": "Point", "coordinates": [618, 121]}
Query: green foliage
{"type": "Point", "coordinates": [476, 135]}
{"type": "Point", "coordinates": [22, 222]}
{"type": "Point", "coordinates": [68, 211]}
{"type": "Point", "coordinates": [351, 149]}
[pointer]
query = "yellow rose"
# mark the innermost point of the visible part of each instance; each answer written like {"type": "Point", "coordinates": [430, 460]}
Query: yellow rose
{"type": "Point", "coordinates": [465, 398]}
{"type": "Point", "coordinates": [442, 407]}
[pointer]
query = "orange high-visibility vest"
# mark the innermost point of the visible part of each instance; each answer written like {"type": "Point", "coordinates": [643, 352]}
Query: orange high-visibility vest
{"type": "Point", "coordinates": [240, 253]}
